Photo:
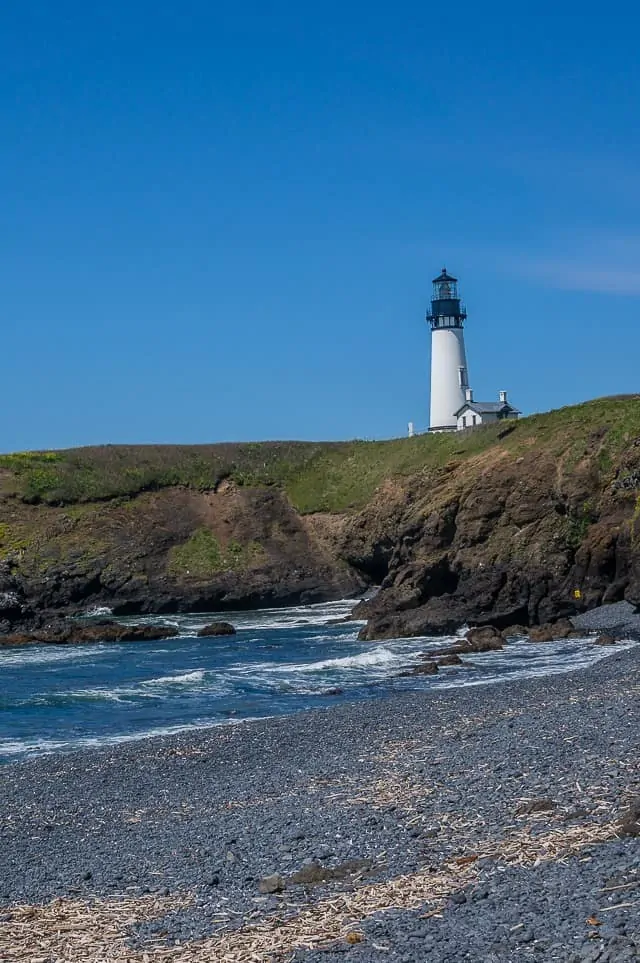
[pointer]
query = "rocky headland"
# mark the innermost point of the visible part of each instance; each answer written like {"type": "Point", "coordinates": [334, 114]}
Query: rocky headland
{"type": "Point", "coordinates": [518, 524]}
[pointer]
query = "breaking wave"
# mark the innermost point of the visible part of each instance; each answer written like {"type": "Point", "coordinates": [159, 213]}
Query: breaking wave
{"type": "Point", "coordinates": [373, 657]}
{"type": "Point", "coordinates": [182, 678]}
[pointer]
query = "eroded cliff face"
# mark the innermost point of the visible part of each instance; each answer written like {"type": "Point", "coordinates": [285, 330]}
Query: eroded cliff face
{"type": "Point", "coordinates": [517, 524]}
{"type": "Point", "coordinates": [176, 550]}
{"type": "Point", "coordinates": [512, 536]}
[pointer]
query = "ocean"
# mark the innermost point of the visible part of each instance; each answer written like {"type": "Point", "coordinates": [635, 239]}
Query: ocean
{"type": "Point", "coordinates": [57, 698]}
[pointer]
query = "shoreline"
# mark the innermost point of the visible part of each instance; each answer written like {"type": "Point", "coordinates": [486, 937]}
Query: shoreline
{"type": "Point", "coordinates": [452, 680]}
{"type": "Point", "coordinates": [373, 805]}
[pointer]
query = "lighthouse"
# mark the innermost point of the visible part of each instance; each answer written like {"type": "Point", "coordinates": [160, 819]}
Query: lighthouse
{"type": "Point", "coordinates": [449, 375]}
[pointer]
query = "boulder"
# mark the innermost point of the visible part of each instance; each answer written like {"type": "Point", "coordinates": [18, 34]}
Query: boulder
{"type": "Point", "coordinates": [427, 668]}
{"type": "Point", "coordinates": [314, 873]}
{"type": "Point", "coordinates": [271, 884]}
{"type": "Point", "coordinates": [542, 633]}
{"type": "Point", "coordinates": [216, 628]}
{"type": "Point", "coordinates": [605, 640]}
{"type": "Point", "coordinates": [484, 639]}
{"type": "Point", "coordinates": [629, 825]}
{"type": "Point", "coordinates": [452, 659]}
{"type": "Point", "coordinates": [554, 631]}
{"type": "Point", "coordinates": [515, 632]}
{"type": "Point", "coordinates": [145, 633]}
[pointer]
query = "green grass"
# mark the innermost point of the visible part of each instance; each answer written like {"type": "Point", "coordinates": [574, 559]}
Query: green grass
{"type": "Point", "coordinates": [578, 524]}
{"type": "Point", "coordinates": [202, 555]}
{"type": "Point", "coordinates": [330, 476]}
{"type": "Point", "coordinates": [13, 539]}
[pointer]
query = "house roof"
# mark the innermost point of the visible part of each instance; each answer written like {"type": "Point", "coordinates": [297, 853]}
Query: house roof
{"type": "Point", "coordinates": [486, 407]}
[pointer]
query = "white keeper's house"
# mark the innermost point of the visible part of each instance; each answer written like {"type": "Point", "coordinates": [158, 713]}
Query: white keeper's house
{"type": "Point", "coordinates": [452, 405]}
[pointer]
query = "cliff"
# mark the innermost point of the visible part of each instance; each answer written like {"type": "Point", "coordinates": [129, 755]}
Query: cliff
{"type": "Point", "coordinates": [520, 522]}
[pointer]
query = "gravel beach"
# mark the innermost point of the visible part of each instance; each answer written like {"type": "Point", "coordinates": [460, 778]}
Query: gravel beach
{"type": "Point", "coordinates": [486, 823]}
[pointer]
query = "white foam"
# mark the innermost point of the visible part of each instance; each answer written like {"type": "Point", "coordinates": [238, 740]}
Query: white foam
{"type": "Point", "coordinates": [184, 678]}
{"type": "Point", "coordinates": [98, 694]}
{"type": "Point", "coordinates": [15, 747]}
{"type": "Point", "coordinates": [377, 657]}
{"type": "Point", "coordinates": [146, 689]}
{"type": "Point", "coordinates": [294, 617]}
{"type": "Point", "coordinates": [42, 654]}
{"type": "Point", "coordinates": [556, 659]}
{"type": "Point", "coordinates": [98, 610]}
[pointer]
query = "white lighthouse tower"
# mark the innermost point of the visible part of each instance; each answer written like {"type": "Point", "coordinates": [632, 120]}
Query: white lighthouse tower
{"type": "Point", "coordinates": [449, 376]}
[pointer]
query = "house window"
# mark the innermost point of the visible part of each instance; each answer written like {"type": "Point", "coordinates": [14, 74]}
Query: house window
{"type": "Point", "coordinates": [464, 421]}
{"type": "Point", "coordinates": [474, 420]}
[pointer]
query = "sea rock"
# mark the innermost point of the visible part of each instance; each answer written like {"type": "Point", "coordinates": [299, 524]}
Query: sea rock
{"type": "Point", "coordinates": [67, 632]}
{"type": "Point", "coordinates": [271, 884]}
{"type": "Point", "coordinates": [216, 628]}
{"type": "Point", "coordinates": [144, 633]}
{"type": "Point", "coordinates": [605, 640]}
{"type": "Point", "coordinates": [554, 631]}
{"type": "Point", "coordinates": [484, 639]}
{"type": "Point", "coordinates": [16, 638]}
{"type": "Point", "coordinates": [452, 659]}
{"type": "Point", "coordinates": [515, 631]}
{"type": "Point", "coordinates": [426, 668]}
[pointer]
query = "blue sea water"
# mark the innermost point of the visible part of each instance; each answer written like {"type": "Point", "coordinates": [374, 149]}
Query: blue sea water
{"type": "Point", "coordinates": [281, 661]}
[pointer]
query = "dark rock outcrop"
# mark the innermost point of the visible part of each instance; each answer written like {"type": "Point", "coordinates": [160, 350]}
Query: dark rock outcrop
{"type": "Point", "coordinates": [63, 632]}
{"type": "Point", "coordinates": [215, 629]}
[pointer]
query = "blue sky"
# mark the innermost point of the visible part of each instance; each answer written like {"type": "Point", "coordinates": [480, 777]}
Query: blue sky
{"type": "Point", "coordinates": [220, 221]}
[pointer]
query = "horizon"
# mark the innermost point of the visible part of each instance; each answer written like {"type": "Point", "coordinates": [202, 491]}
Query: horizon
{"type": "Point", "coordinates": [312, 441]}
{"type": "Point", "coordinates": [225, 224]}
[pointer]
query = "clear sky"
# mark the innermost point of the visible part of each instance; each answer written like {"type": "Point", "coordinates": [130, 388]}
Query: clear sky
{"type": "Point", "coordinates": [220, 221]}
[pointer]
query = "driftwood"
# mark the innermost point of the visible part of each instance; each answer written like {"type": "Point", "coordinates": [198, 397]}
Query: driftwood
{"type": "Point", "coordinates": [95, 931]}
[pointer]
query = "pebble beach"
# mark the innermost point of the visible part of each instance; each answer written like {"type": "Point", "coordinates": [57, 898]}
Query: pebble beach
{"type": "Point", "coordinates": [487, 823]}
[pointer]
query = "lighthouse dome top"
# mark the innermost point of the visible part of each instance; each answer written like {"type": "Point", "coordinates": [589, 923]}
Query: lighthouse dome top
{"type": "Point", "coordinates": [445, 276]}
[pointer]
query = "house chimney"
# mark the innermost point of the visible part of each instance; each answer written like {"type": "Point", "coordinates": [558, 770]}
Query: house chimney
{"type": "Point", "coordinates": [503, 397]}
{"type": "Point", "coordinates": [468, 394]}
